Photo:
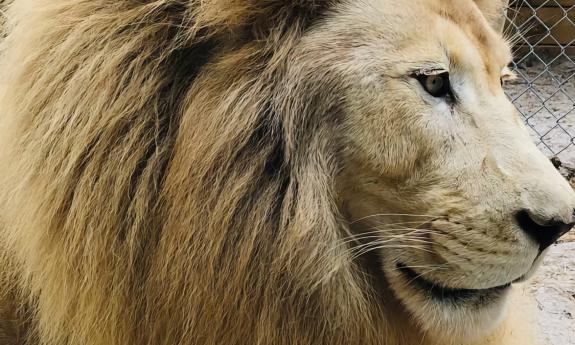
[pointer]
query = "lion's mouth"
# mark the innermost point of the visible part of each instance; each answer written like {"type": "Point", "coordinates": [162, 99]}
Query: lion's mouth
{"type": "Point", "coordinates": [439, 292]}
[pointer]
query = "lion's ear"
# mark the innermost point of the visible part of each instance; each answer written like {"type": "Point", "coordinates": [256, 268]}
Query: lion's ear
{"type": "Point", "coordinates": [494, 11]}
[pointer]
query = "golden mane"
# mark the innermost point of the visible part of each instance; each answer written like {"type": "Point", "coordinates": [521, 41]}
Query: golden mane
{"type": "Point", "coordinates": [169, 177]}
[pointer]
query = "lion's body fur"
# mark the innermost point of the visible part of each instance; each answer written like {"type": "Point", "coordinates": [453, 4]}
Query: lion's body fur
{"type": "Point", "coordinates": [153, 186]}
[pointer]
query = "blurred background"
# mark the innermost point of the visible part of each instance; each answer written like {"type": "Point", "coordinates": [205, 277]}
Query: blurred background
{"type": "Point", "coordinates": [543, 33]}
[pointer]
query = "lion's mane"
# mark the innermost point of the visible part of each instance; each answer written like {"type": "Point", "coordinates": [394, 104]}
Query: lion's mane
{"type": "Point", "coordinates": [167, 177]}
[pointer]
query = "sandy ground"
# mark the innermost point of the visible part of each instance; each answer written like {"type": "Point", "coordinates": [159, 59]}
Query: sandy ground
{"type": "Point", "coordinates": [554, 291]}
{"type": "Point", "coordinates": [549, 110]}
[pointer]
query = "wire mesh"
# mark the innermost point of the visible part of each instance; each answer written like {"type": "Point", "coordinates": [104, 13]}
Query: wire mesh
{"type": "Point", "coordinates": [544, 62]}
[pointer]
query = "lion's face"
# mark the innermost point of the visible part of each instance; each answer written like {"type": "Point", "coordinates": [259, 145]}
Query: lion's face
{"type": "Point", "coordinates": [439, 175]}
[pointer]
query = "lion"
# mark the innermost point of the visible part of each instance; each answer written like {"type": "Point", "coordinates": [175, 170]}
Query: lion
{"type": "Point", "coordinates": [267, 172]}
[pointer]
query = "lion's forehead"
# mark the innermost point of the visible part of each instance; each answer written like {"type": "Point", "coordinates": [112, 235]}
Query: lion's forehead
{"type": "Point", "coordinates": [434, 28]}
{"type": "Point", "coordinates": [493, 49]}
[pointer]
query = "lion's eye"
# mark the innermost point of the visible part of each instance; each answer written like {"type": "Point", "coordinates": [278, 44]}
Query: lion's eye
{"type": "Point", "coordinates": [436, 84]}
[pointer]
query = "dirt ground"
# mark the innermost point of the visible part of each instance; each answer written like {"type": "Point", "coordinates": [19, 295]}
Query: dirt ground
{"type": "Point", "coordinates": [546, 98]}
{"type": "Point", "coordinates": [554, 291]}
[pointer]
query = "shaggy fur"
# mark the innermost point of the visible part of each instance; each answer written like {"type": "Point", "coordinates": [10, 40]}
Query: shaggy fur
{"type": "Point", "coordinates": [160, 205]}
{"type": "Point", "coordinates": [167, 178]}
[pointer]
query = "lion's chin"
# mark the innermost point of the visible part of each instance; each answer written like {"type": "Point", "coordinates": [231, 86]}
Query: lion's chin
{"type": "Point", "coordinates": [446, 314]}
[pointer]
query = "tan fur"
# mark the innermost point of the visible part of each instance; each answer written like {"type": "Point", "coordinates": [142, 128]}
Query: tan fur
{"type": "Point", "coordinates": [169, 175]}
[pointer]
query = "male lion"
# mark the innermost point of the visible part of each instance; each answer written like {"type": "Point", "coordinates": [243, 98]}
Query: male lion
{"type": "Point", "coordinates": [266, 172]}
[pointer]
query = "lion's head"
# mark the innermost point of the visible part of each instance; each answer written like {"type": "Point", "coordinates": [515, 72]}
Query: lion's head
{"type": "Point", "coordinates": [437, 169]}
{"type": "Point", "coordinates": [270, 172]}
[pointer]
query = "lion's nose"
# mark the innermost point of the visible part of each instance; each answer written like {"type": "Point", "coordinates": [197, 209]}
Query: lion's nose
{"type": "Point", "coordinates": [544, 231]}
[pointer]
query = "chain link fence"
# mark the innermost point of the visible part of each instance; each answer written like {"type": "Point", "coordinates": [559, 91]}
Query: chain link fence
{"type": "Point", "coordinates": [543, 37]}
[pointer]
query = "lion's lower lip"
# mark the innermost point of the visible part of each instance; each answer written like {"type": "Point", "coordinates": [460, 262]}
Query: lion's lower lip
{"type": "Point", "coordinates": [444, 293]}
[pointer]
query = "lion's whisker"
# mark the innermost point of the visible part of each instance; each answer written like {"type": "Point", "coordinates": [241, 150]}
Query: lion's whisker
{"type": "Point", "coordinates": [379, 247]}
{"type": "Point", "coordinates": [394, 214]}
